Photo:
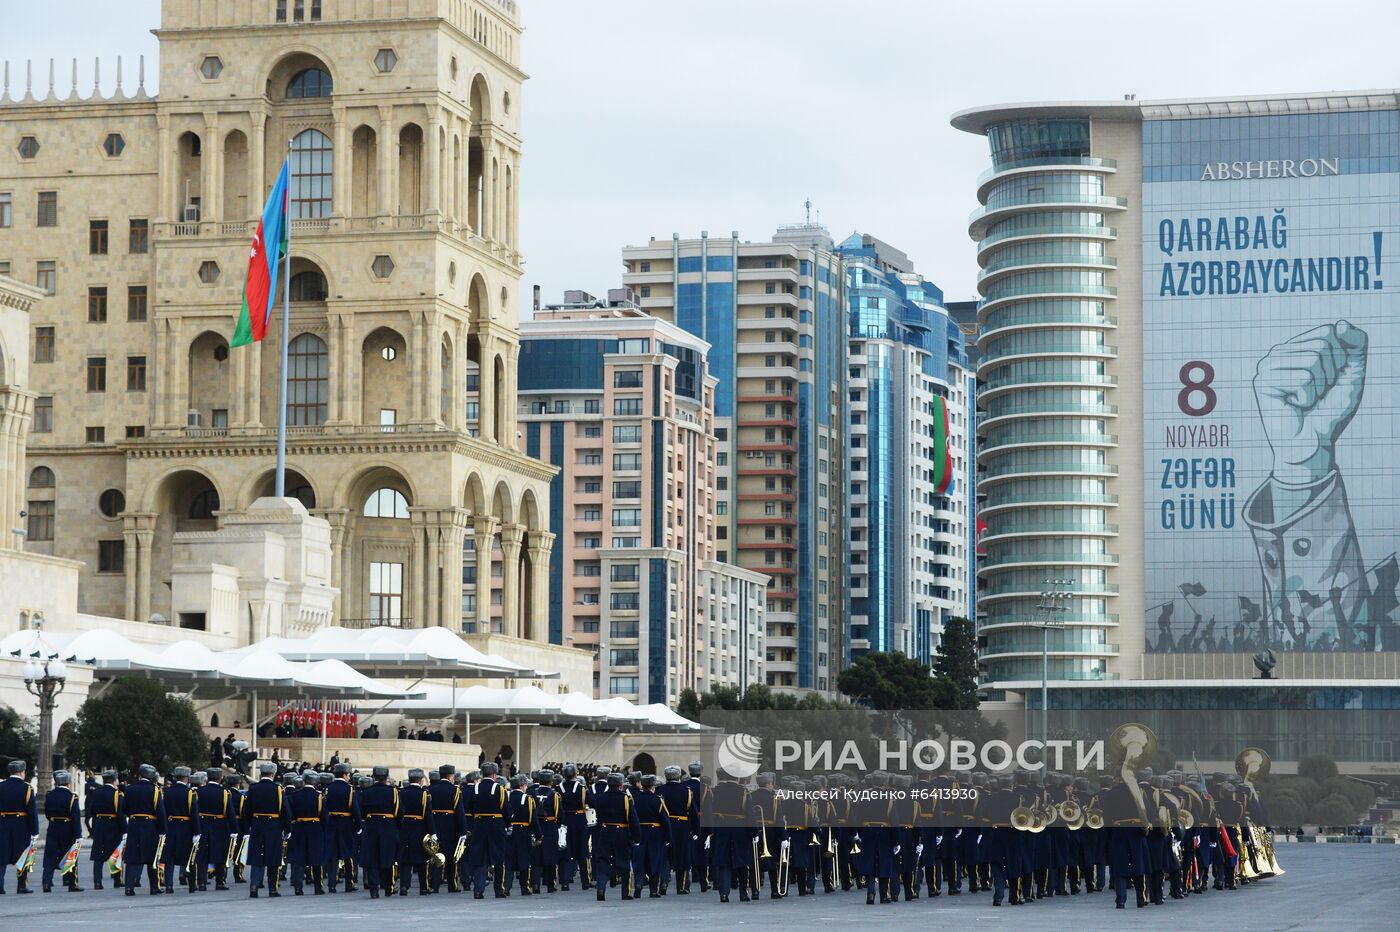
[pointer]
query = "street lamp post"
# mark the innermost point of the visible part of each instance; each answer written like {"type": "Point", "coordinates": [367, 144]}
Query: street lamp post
{"type": "Point", "coordinates": [45, 679]}
{"type": "Point", "coordinates": [1054, 600]}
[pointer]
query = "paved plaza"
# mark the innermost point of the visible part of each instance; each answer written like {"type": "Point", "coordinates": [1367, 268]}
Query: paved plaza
{"type": "Point", "coordinates": [1325, 887]}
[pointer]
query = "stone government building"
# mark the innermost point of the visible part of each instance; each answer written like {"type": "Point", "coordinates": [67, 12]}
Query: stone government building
{"type": "Point", "coordinates": [135, 213]}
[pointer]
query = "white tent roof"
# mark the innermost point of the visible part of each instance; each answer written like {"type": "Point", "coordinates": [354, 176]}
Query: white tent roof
{"type": "Point", "coordinates": [531, 704]}
{"type": "Point", "coordinates": [422, 653]}
{"type": "Point", "coordinates": [188, 665]}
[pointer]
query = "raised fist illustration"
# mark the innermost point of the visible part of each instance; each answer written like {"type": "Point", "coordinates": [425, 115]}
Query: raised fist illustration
{"type": "Point", "coordinates": [1308, 389]}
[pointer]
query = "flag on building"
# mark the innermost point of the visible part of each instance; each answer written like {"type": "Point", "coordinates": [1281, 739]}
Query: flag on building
{"type": "Point", "coordinates": [942, 459]}
{"type": "Point", "coordinates": [269, 249]}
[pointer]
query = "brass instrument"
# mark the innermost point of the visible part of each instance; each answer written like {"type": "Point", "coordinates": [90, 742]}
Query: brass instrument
{"type": "Point", "coordinates": [1072, 814]}
{"type": "Point", "coordinates": [1250, 764]}
{"type": "Point", "coordinates": [1185, 819]}
{"type": "Point", "coordinates": [784, 861]}
{"type": "Point", "coordinates": [435, 855]}
{"type": "Point", "coordinates": [194, 855]}
{"type": "Point", "coordinates": [160, 865]}
{"type": "Point", "coordinates": [232, 852]}
{"type": "Point", "coordinates": [1022, 817]}
{"type": "Point", "coordinates": [458, 851]}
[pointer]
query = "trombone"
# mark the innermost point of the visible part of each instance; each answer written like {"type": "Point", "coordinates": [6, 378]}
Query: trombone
{"type": "Point", "coordinates": [757, 855]}
{"type": "Point", "coordinates": [194, 856]}
{"type": "Point", "coordinates": [160, 864]}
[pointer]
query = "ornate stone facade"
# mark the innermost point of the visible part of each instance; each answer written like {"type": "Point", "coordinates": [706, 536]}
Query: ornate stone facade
{"type": "Point", "coordinates": [401, 119]}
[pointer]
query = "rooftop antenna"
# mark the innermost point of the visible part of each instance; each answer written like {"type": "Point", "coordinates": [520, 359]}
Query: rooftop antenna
{"type": "Point", "coordinates": [96, 77]}
{"type": "Point", "coordinates": [808, 204]}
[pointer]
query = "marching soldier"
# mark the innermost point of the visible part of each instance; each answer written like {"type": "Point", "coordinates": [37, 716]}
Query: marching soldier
{"type": "Point", "coordinates": [523, 835]}
{"type": "Point", "coordinates": [548, 806]}
{"type": "Point", "coordinates": [144, 810]}
{"type": "Point", "coordinates": [266, 819]}
{"type": "Point", "coordinates": [765, 804]}
{"type": "Point", "coordinates": [415, 827]}
{"type": "Point", "coordinates": [450, 820]}
{"type": "Point", "coordinates": [904, 812]}
{"type": "Point", "coordinates": [617, 831]}
{"type": "Point", "coordinates": [342, 828]}
{"type": "Point", "coordinates": [1125, 814]}
{"type": "Point", "coordinates": [65, 827]}
{"type": "Point", "coordinates": [654, 830]}
{"type": "Point", "coordinates": [238, 837]}
{"type": "Point", "coordinates": [486, 807]}
{"type": "Point", "coordinates": [699, 845]}
{"type": "Point", "coordinates": [574, 800]}
{"type": "Point", "coordinates": [19, 822]}
{"type": "Point", "coordinates": [379, 848]}
{"type": "Point", "coordinates": [306, 811]}
{"type": "Point", "coordinates": [682, 805]}
{"type": "Point", "coordinates": [798, 838]}
{"type": "Point", "coordinates": [105, 824]}
{"type": "Point", "coordinates": [998, 806]}
{"type": "Point", "coordinates": [182, 813]}
{"type": "Point", "coordinates": [218, 827]}
{"type": "Point", "coordinates": [730, 838]}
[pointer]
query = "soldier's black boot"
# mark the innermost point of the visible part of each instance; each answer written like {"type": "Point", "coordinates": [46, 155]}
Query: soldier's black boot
{"type": "Point", "coordinates": [869, 893]}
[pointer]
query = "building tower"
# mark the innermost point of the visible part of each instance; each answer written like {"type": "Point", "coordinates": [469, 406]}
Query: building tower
{"type": "Point", "coordinates": [135, 213]}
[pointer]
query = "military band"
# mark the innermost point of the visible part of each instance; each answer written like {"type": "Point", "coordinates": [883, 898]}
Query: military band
{"type": "Point", "coordinates": [1023, 837]}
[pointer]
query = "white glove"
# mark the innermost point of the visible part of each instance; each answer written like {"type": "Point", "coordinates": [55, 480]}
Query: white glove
{"type": "Point", "coordinates": [707, 843]}
{"type": "Point", "coordinates": [856, 837]}
{"type": "Point", "coordinates": [786, 844]}
{"type": "Point", "coordinates": [919, 848]}
{"type": "Point", "coordinates": [896, 850]}
{"type": "Point", "coordinates": [435, 838]}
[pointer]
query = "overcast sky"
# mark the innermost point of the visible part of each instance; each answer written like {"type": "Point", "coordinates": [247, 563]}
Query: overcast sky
{"type": "Point", "coordinates": [644, 117]}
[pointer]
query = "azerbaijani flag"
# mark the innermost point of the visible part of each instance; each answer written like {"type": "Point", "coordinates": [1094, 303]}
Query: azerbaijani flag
{"type": "Point", "coordinates": [70, 859]}
{"type": "Point", "coordinates": [942, 459]}
{"type": "Point", "coordinates": [263, 262]}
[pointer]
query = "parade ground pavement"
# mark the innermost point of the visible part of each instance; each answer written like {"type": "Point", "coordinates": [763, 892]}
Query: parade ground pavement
{"type": "Point", "coordinates": [1324, 887]}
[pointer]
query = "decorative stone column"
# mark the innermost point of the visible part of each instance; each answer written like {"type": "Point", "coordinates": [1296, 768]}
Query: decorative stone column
{"type": "Point", "coordinates": [139, 534]}
{"type": "Point", "coordinates": [541, 543]}
{"type": "Point", "coordinates": [340, 157]}
{"type": "Point", "coordinates": [486, 384]}
{"type": "Point", "coordinates": [388, 166]}
{"type": "Point", "coordinates": [432, 161]}
{"type": "Point", "coordinates": [512, 536]}
{"type": "Point", "coordinates": [257, 163]}
{"type": "Point", "coordinates": [418, 606]}
{"type": "Point", "coordinates": [484, 528]}
{"type": "Point", "coordinates": [212, 149]}
{"type": "Point", "coordinates": [453, 525]}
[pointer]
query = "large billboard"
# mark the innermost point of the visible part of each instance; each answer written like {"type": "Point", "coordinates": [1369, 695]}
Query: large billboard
{"type": "Point", "coordinates": [1271, 330]}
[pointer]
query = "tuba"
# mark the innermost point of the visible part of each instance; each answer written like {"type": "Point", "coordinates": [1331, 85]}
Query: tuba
{"type": "Point", "coordinates": [1072, 814]}
{"type": "Point", "coordinates": [435, 855]}
{"type": "Point", "coordinates": [1022, 817]}
{"type": "Point", "coordinates": [1185, 819]}
{"type": "Point", "coordinates": [1093, 818]}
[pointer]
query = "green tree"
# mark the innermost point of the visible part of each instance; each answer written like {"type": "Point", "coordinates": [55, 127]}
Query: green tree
{"type": "Point", "coordinates": [1319, 767]}
{"type": "Point", "coordinates": [1286, 810]}
{"type": "Point", "coordinates": [19, 737]}
{"type": "Point", "coordinates": [955, 663]}
{"type": "Point", "coordinates": [1333, 812]}
{"type": "Point", "coordinates": [134, 722]}
{"type": "Point", "coordinates": [892, 682]}
{"type": "Point", "coordinates": [689, 703]}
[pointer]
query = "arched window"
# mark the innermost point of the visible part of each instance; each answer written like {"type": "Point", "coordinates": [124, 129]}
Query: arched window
{"type": "Point", "coordinates": [204, 505]}
{"type": "Point", "coordinates": [308, 378]}
{"type": "Point", "coordinates": [313, 82]}
{"type": "Point", "coordinates": [41, 478]}
{"type": "Point", "coordinates": [309, 285]}
{"type": "Point", "coordinates": [304, 494]}
{"type": "Point", "coordinates": [312, 169]}
{"type": "Point", "coordinates": [386, 503]}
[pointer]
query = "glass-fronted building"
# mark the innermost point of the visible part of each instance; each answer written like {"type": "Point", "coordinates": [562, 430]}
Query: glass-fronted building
{"type": "Point", "coordinates": [909, 398]}
{"type": "Point", "coordinates": [1185, 419]}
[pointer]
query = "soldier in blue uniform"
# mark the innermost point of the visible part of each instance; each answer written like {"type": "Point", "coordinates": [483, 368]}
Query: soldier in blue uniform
{"type": "Point", "coordinates": [266, 819]}
{"type": "Point", "coordinates": [548, 808]}
{"type": "Point", "coordinates": [1125, 814]}
{"type": "Point", "coordinates": [574, 801]}
{"type": "Point", "coordinates": [307, 812]}
{"type": "Point", "coordinates": [486, 806]}
{"type": "Point", "coordinates": [523, 835]}
{"type": "Point", "coordinates": [415, 825]}
{"type": "Point", "coordinates": [617, 830]}
{"type": "Point", "coordinates": [699, 847]}
{"type": "Point", "coordinates": [655, 832]}
{"type": "Point", "coordinates": [765, 803]}
{"type": "Point", "coordinates": [105, 824]}
{"type": "Point", "coordinates": [798, 837]}
{"type": "Point", "coordinates": [342, 828]}
{"type": "Point", "coordinates": [450, 820]}
{"type": "Point", "coordinates": [218, 822]}
{"type": "Point", "coordinates": [731, 834]}
{"type": "Point", "coordinates": [19, 821]}
{"type": "Point", "coordinates": [65, 827]}
{"type": "Point", "coordinates": [379, 847]}
{"type": "Point", "coordinates": [682, 806]}
{"type": "Point", "coordinates": [144, 809]}
{"type": "Point", "coordinates": [182, 815]}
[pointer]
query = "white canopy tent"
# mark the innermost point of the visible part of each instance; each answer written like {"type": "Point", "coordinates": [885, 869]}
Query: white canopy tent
{"type": "Point", "coordinates": [406, 653]}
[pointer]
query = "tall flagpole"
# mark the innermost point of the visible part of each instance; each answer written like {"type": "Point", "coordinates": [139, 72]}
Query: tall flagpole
{"type": "Point", "coordinates": [280, 488]}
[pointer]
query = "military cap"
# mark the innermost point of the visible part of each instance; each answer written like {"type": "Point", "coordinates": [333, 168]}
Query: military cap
{"type": "Point", "coordinates": [214, 774]}
{"type": "Point", "coordinates": [1144, 774]}
{"type": "Point", "coordinates": [342, 769]}
{"type": "Point", "coordinates": [765, 779]}
{"type": "Point", "coordinates": [489, 769]}
{"type": "Point", "coordinates": [16, 766]}
{"type": "Point", "coordinates": [231, 781]}
{"type": "Point", "coordinates": [380, 772]}
{"type": "Point", "coordinates": [649, 781]}
{"type": "Point", "coordinates": [519, 780]}
{"type": "Point", "coordinates": [109, 774]}
{"type": "Point", "coordinates": [474, 776]}
{"type": "Point", "coordinates": [556, 779]}
{"type": "Point", "coordinates": [546, 772]}
{"type": "Point", "coordinates": [570, 770]}
{"type": "Point", "coordinates": [308, 774]}
{"type": "Point", "coordinates": [634, 777]}
{"type": "Point", "coordinates": [146, 772]}
{"type": "Point", "coordinates": [325, 779]}
{"type": "Point", "coordinates": [180, 773]}
{"type": "Point", "coordinates": [673, 773]}
{"type": "Point", "coordinates": [62, 778]}
{"type": "Point", "coordinates": [447, 770]}
{"type": "Point", "coordinates": [415, 774]}
{"type": "Point", "coordinates": [1105, 782]}
{"type": "Point", "coordinates": [366, 781]}
{"type": "Point", "coordinates": [696, 768]}
{"type": "Point", "coordinates": [199, 778]}
{"type": "Point", "coordinates": [615, 780]}
{"type": "Point", "coordinates": [603, 773]}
